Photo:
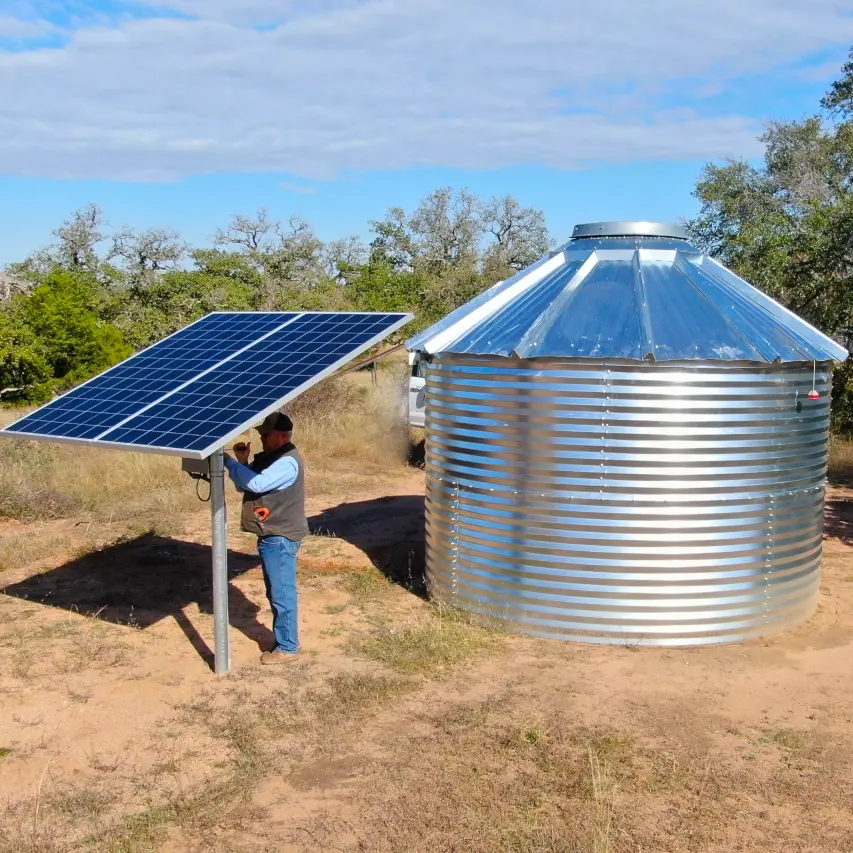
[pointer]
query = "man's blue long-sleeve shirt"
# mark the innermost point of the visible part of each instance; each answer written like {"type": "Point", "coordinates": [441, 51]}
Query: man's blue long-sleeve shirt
{"type": "Point", "coordinates": [280, 475]}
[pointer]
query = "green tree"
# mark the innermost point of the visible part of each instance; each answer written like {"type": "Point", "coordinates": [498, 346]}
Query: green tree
{"type": "Point", "coordinates": [24, 371]}
{"type": "Point", "coordinates": [62, 314]}
{"type": "Point", "coordinates": [381, 286]}
{"type": "Point", "coordinates": [177, 298]}
{"type": "Point", "coordinates": [787, 225]}
{"type": "Point", "coordinates": [443, 233]}
{"type": "Point", "coordinates": [154, 307]}
{"type": "Point", "coordinates": [235, 266]}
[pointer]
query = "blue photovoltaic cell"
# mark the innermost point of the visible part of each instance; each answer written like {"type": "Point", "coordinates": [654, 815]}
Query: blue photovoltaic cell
{"type": "Point", "coordinates": [100, 404]}
{"type": "Point", "coordinates": [214, 405]}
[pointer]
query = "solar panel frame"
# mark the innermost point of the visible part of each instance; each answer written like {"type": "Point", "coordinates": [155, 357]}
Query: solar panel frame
{"type": "Point", "coordinates": [291, 316]}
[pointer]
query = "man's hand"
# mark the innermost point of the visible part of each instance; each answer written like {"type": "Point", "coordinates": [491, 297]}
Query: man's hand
{"type": "Point", "coordinates": [242, 451]}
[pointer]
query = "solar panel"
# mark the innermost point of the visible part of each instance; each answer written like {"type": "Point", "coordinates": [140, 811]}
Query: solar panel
{"type": "Point", "coordinates": [197, 389]}
{"type": "Point", "coordinates": [99, 404]}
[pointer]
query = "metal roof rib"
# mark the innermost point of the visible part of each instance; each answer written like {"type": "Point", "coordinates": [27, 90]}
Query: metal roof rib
{"type": "Point", "coordinates": [643, 308]}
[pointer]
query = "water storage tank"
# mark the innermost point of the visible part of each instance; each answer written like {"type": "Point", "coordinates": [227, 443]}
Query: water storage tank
{"type": "Point", "coordinates": [627, 443]}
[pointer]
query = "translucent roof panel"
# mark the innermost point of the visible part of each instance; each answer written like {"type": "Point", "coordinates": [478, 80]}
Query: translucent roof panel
{"type": "Point", "coordinates": [636, 291]}
{"type": "Point", "coordinates": [500, 332]}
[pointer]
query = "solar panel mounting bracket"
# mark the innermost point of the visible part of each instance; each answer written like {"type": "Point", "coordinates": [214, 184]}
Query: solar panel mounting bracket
{"type": "Point", "coordinates": [197, 468]}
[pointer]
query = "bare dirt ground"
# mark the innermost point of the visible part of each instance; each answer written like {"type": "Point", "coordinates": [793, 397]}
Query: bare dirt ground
{"type": "Point", "coordinates": [402, 727]}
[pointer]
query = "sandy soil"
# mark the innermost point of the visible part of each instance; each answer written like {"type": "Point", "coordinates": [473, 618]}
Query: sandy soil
{"type": "Point", "coordinates": [115, 735]}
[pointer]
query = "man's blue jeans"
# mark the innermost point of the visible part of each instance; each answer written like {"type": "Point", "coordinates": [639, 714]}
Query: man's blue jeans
{"type": "Point", "coordinates": [278, 558]}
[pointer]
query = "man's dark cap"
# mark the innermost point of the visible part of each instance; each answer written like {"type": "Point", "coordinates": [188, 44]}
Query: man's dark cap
{"type": "Point", "coordinates": [276, 422]}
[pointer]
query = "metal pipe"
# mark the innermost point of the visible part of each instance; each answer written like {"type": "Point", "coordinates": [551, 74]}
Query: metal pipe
{"type": "Point", "coordinates": [219, 543]}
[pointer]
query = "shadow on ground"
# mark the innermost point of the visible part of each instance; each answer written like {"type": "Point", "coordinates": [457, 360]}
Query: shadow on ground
{"type": "Point", "coordinates": [838, 520]}
{"type": "Point", "coordinates": [417, 454]}
{"type": "Point", "coordinates": [140, 581]}
{"type": "Point", "coordinates": [389, 530]}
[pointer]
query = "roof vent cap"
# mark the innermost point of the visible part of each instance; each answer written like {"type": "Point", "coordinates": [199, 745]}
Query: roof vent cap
{"type": "Point", "coordinates": [629, 229]}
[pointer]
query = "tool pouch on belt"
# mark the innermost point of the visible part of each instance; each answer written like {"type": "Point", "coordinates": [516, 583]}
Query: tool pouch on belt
{"type": "Point", "coordinates": [254, 515]}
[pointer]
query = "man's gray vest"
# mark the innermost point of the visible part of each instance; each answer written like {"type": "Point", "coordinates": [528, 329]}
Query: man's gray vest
{"type": "Point", "coordinates": [279, 513]}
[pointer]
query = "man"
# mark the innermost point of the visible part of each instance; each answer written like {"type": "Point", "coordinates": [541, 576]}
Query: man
{"type": "Point", "coordinates": [273, 487]}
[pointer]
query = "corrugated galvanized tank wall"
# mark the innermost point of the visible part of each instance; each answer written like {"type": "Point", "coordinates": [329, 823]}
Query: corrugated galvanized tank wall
{"type": "Point", "coordinates": [655, 503]}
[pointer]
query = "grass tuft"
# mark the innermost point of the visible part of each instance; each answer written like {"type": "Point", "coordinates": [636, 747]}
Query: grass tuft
{"type": "Point", "coordinates": [601, 840]}
{"type": "Point", "coordinates": [355, 692]}
{"type": "Point", "coordinates": [790, 739]}
{"type": "Point", "coordinates": [438, 641]}
{"type": "Point", "coordinates": [368, 584]}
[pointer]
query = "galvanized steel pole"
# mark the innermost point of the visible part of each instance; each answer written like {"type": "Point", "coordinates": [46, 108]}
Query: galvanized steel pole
{"type": "Point", "coordinates": [219, 543]}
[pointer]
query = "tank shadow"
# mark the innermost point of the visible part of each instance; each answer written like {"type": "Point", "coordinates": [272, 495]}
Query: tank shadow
{"type": "Point", "coordinates": [138, 582]}
{"type": "Point", "coordinates": [389, 530]}
{"type": "Point", "coordinates": [838, 520]}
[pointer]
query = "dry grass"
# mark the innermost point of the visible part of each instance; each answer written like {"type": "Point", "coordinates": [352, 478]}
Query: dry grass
{"type": "Point", "coordinates": [438, 767]}
{"type": "Point", "coordinates": [24, 548]}
{"type": "Point", "coordinates": [41, 480]}
{"type": "Point", "coordinates": [602, 796]}
{"type": "Point", "coordinates": [91, 815]}
{"type": "Point", "coordinates": [212, 754]}
{"type": "Point", "coordinates": [351, 693]}
{"type": "Point", "coordinates": [350, 432]}
{"type": "Point", "coordinates": [841, 461]}
{"type": "Point", "coordinates": [485, 775]}
{"type": "Point", "coordinates": [76, 643]}
{"type": "Point", "coordinates": [439, 639]}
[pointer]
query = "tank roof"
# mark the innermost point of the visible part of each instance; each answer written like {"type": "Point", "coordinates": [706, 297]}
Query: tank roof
{"type": "Point", "coordinates": [628, 290]}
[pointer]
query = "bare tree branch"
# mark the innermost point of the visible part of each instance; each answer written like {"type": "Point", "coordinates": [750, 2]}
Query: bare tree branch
{"type": "Point", "coordinates": [251, 234]}
{"type": "Point", "coordinates": [154, 250]}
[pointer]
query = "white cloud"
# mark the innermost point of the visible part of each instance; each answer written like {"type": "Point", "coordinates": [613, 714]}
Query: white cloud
{"type": "Point", "coordinates": [22, 28]}
{"type": "Point", "coordinates": [391, 84]}
{"type": "Point", "coordinates": [825, 72]}
{"type": "Point", "coordinates": [244, 13]}
{"type": "Point", "coordinates": [298, 188]}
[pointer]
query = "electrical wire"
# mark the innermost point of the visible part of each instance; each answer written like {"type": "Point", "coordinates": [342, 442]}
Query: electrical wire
{"type": "Point", "coordinates": [198, 478]}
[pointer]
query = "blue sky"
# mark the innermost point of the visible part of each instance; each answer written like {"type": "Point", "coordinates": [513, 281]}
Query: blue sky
{"type": "Point", "coordinates": [181, 112]}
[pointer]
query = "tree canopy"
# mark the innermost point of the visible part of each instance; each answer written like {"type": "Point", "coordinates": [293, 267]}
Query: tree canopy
{"type": "Point", "coordinates": [786, 224]}
{"type": "Point", "coordinates": [97, 293]}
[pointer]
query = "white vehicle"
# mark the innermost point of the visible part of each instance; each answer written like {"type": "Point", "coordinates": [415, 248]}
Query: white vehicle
{"type": "Point", "coordinates": [414, 409]}
{"type": "Point", "coordinates": [417, 391]}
